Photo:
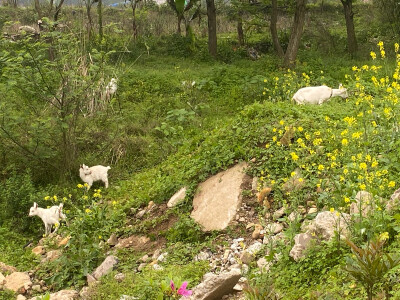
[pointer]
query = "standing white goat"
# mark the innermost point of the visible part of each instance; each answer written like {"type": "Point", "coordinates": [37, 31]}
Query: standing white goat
{"type": "Point", "coordinates": [95, 173]}
{"type": "Point", "coordinates": [111, 88]}
{"type": "Point", "coordinates": [50, 216]}
{"type": "Point", "coordinates": [318, 94]}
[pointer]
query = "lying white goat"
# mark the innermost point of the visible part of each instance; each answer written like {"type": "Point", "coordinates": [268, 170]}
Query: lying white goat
{"type": "Point", "coordinates": [49, 216]}
{"type": "Point", "coordinates": [318, 94]}
{"type": "Point", "coordinates": [95, 173]}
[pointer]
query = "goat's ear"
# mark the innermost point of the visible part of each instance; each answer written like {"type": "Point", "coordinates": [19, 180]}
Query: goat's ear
{"type": "Point", "coordinates": [34, 204]}
{"type": "Point", "coordinates": [340, 86]}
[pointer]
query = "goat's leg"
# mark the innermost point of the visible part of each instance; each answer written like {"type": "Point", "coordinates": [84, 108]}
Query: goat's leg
{"type": "Point", "coordinates": [106, 183]}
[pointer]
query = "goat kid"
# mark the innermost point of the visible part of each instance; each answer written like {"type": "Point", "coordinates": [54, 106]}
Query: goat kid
{"type": "Point", "coordinates": [50, 216]}
{"type": "Point", "coordinates": [318, 94]}
{"type": "Point", "coordinates": [95, 173]}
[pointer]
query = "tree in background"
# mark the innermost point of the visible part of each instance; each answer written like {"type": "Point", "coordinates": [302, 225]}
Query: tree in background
{"type": "Point", "coordinates": [182, 6]}
{"type": "Point", "coordinates": [389, 14]}
{"type": "Point", "coordinates": [13, 3]}
{"type": "Point", "coordinates": [212, 28]}
{"type": "Point", "coordinates": [134, 4]}
{"type": "Point", "coordinates": [52, 11]}
{"type": "Point", "coordinates": [351, 35]}
{"type": "Point", "coordinates": [289, 56]}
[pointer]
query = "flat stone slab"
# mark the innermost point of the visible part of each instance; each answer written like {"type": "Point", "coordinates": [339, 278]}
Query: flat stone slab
{"type": "Point", "coordinates": [218, 198]}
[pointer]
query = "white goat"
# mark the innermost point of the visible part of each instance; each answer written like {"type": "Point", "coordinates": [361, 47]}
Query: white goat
{"type": "Point", "coordinates": [49, 216]}
{"type": "Point", "coordinates": [318, 94]}
{"type": "Point", "coordinates": [95, 173]}
{"type": "Point", "coordinates": [111, 88]}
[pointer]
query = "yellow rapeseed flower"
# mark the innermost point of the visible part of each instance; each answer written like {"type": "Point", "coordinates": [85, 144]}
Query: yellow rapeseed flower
{"type": "Point", "coordinates": [331, 209]}
{"type": "Point", "coordinates": [345, 142]}
{"type": "Point", "coordinates": [391, 184]}
{"type": "Point", "coordinates": [321, 167]}
{"type": "Point", "coordinates": [373, 55]}
{"type": "Point", "coordinates": [346, 199]}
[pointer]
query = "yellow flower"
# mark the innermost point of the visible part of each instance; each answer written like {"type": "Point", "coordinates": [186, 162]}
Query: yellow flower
{"type": "Point", "coordinates": [396, 47]}
{"type": "Point", "coordinates": [384, 236]}
{"type": "Point", "coordinates": [346, 199]}
{"type": "Point", "coordinates": [265, 80]}
{"type": "Point", "coordinates": [88, 211]}
{"type": "Point", "coordinates": [47, 198]}
{"type": "Point", "coordinates": [345, 142]}
{"type": "Point", "coordinates": [86, 185]}
{"type": "Point", "coordinates": [321, 167]}
{"type": "Point", "coordinates": [294, 156]}
{"type": "Point", "coordinates": [300, 128]}
{"type": "Point", "coordinates": [373, 55]}
{"type": "Point", "coordinates": [80, 186]}
{"type": "Point", "coordinates": [100, 237]}
{"type": "Point", "coordinates": [85, 197]}
{"type": "Point", "coordinates": [383, 53]}
{"type": "Point", "coordinates": [331, 209]}
{"type": "Point", "coordinates": [267, 146]}
{"type": "Point", "coordinates": [281, 122]}
{"type": "Point", "coordinates": [114, 203]}
{"type": "Point", "coordinates": [363, 166]}
{"type": "Point", "coordinates": [55, 198]}
{"type": "Point", "coordinates": [301, 179]}
{"type": "Point", "coordinates": [374, 164]}
{"type": "Point", "coordinates": [391, 184]}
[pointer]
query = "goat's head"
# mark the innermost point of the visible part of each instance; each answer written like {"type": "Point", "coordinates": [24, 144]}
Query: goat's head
{"type": "Point", "coordinates": [343, 91]}
{"type": "Point", "coordinates": [33, 210]}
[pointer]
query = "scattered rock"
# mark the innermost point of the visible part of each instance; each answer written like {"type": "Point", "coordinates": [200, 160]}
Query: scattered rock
{"type": "Point", "coordinates": [274, 228]}
{"type": "Point", "coordinates": [312, 210]}
{"type": "Point", "coordinates": [302, 241]}
{"type": "Point", "coordinates": [21, 297]}
{"type": "Point", "coordinates": [84, 293]}
{"type": "Point", "coordinates": [133, 241]}
{"type": "Point", "coordinates": [38, 250]}
{"type": "Point", "coordinates": [257, 230]}
{"type": "Point", "coordinates": [218, 198]}
{"type": "Point", "coordinates": [106, 267]}
{"type": "Point", "coordinates": [90, 279]}
{"type": "Point", "coordinates": [141, 267]}
{"type": "Point", "coordinates": [36, 288]}
{"type": "Point", "coordinates": [51, 255]}
{"type": "Point", "coordinates": [254, 184]}
{"type": "Point", "coordinates": [157, 267]}
{"type": "Point", "coordinates": [140, 214]}
{"type": "Point", "coordinates": [263, 265]}
{"type": "Point", "coordinates": [63, 295]}
{"type": "Point", "coordinates": [18, 282]}
{"type": "Point", "coordinates": [119, 277]}
{"type": "Point", "coordinates": [144, 258]}
{"type": "Point", "coordinates": [6, 268]}
{"type": "Point", "coordinates": [64, 241]}
{"type": "Point", "coordinates": [279, 213]}
{"type": "Point", "coordinates": [162, 257]}
{"type": "Point", "coordinates": [202, 256]}
{"type": "Point", "coordinates": [113, 240]}
{"type": "Point", "coordinates": [326, 223]}
{"type": "Point", "coordinates": [216, 286]}
{"type": "Point", "coordinates": [177, 198]}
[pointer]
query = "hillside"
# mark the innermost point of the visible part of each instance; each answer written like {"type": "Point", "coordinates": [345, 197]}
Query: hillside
{"type": "Point", "coordinates": [273, 200]}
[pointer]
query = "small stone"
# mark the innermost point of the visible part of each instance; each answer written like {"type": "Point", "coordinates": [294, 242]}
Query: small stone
{"type": "Point", "coordinates": [21, 297]}
{"type": "Point", "coordinates": [162, 257]}
{"type": "Point", "coordinates": [36, 288]}
{"type": "Point", "coordinates": [64, 241]}
{"type": "Point", "coordinates": [157, 267]}
{"type": "Point", "coordinates": [113, 240]}
{"type": "Point", "coordinates": [119, 277]}
{"type": "Point", "coordinates": [144, 258]}
{"type": "Point", "coordinates": [312, 210]}
{"type": "Point", "coordinates": [38, 250]}
{"type": "Point", "coordinates": [141, 266]}
{"type": "Point", "coordinates": [279, 213]}
{"type": "Point", "coordinates": [140, 214]}
{"type": "Point", "coordinates": [177, 198]}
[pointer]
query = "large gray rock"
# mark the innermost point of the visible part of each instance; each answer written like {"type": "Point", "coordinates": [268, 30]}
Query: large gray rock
{"type": "Point", "coordinates": [323, 227]}
{"type": "Point", "coordinates": [363, 201]}
{"type": "Point", "coordinates": [215, 286]}
{"type": "Point", "coordinates": [394, 200]}
{"type": "Point", "coordinates": [18, 282]}
{"type": "Point", "coordinates": [106, 267]}
{"type": "Point", "coordinates": [218, 198]}
{"type": "Point", "coordinates": [302, 241]}
{"type": "Point", "coordinates": [326, 223]}
{"type": "Point", "coordinates": [63, 295]}
{"type": "Point", "coordinates": [177, 198]}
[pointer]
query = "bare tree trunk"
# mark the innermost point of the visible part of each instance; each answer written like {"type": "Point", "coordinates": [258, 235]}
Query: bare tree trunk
{"type": "Point", "coordinates": [58, 10]}
{"type": "Point", "coordinates": [179, 30]}
{"type": "Point", "coordinates": [240, 29]}
{"type": "Point", "coordinates": [134, 25]}
{"type": "Point", "coordinates": [296, 33]}
{"type": "Point", "coordinates": [351, 35]}
{"type": "Point", "coordinates": [212, 28]}
{"type": "Point", "coordinates": [89, 16]}
{"type": "Point", "coordinates": [274, 31]}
